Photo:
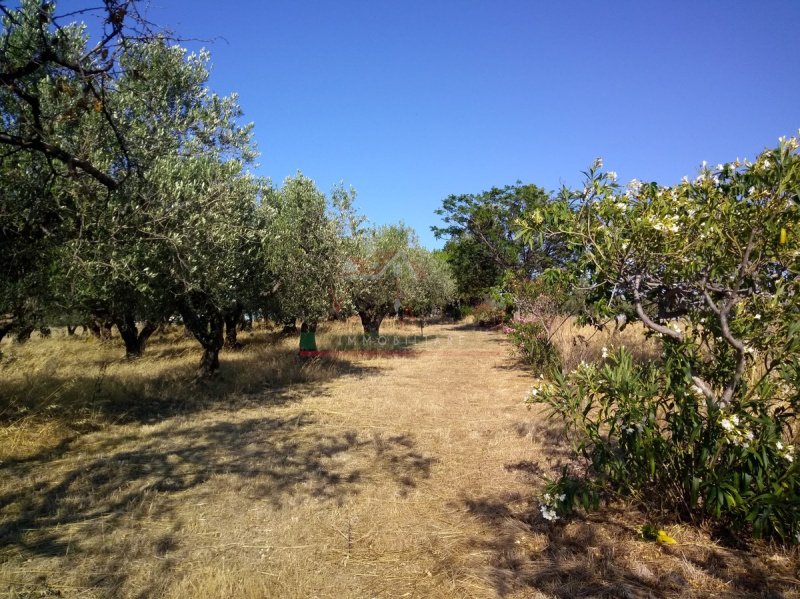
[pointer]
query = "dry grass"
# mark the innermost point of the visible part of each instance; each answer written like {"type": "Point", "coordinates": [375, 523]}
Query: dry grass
{"type": "Point", "coordinates": [402, 474]}
{"type": "Point", "coordinates": [575, 343]}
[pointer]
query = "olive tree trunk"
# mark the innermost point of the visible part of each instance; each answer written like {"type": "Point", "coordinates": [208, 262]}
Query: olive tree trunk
{"type": "Point", "coordinates": [207, 325]}
{"type": "Point", "coordinates": [371, 320]}
{"type": "Point", "coordinates": [134, 339]}
{"type": "Point", "coordinates": [289, 327]}
{"type": "Point", "coordinates": [232, 320]}
{"type": "Point", "coordinates": [100, 327]}
{"type": "Point", "coordinates": [24, 334]}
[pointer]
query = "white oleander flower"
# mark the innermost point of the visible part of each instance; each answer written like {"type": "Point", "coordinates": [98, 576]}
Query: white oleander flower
{"type": "Point", "coordinates": [548, 513]}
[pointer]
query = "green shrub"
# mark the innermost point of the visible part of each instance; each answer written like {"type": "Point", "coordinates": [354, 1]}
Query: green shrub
{"type": "Point", "coordinates": [647, 432]}
{"type": "Point", "coordinates": [531, 343]}
{"type": "Point", "coordinates": [488, 314]}
{"type": "Point", "coordinates": [711, 268]}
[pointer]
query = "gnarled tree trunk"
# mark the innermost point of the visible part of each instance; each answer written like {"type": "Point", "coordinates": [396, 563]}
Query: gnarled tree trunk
{"type": "Point", "coordinates": [207, 325]}
{"type": "Point", "coordinates": [134, 339]}
{"type": "Point", "coordinates": [232, 320]}
{"type": "Point", "coordinates": [100, 327]}
{"type": "Point", "coordinates": [94, 328]}
{"type": "Point", "coordinates": [371, 319]}
{"type": "Point", "coordinates": [289, 327]}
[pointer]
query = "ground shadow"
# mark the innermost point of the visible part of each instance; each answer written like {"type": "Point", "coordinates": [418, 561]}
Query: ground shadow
{"type": "Point", "coordinates": [474, 326]}
{"type": "Point", "coordinates": [601, 555]}
{"type": "Point", "coordinates": [91, 397]}
{"type": "Point", "coordinates": [113, 481]}
{"type": "Point", "coordinates": [551, 438]}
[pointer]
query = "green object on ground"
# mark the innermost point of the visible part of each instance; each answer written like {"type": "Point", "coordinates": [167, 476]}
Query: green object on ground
{"type": "Point", "coordinates": [308, 341]}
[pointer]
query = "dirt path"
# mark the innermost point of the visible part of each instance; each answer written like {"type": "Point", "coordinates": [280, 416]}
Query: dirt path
{"type": "Point", "coordinates": [371, 484]}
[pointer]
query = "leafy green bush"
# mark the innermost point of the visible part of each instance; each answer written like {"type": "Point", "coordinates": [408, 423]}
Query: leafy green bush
{"type": "Point", "coordinates": [531, 343]}
{"type": "Point", "coordinates": [488, 314]}
{"type": "Point", "coordinates": [462, 311]}
{"type": "Point", "coordinates": [647, 432]}
{"type": "Point", "coordinates": [711, 267]}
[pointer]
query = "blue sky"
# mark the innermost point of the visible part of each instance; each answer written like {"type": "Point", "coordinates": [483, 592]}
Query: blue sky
{"type": "Point", "coordinates": [412, 101]}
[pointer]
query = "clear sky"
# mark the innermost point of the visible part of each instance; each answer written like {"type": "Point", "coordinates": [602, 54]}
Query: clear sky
{"type": "Point", "coordinates": [412, 101]}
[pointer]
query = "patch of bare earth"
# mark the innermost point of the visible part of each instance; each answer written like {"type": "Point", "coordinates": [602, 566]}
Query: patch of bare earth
{"type": "Point", "coordinates": [411, 474]}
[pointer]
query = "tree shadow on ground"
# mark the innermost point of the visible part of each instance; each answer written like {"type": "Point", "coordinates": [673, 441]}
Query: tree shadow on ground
{"type": "Point", "coordinates": [602, 555]}
{"type": "Point", "coordinates": [474, 326]}
{"type": "Point", "coordinates": [61, 502]}
{"type": "Point", "coordinates": [88, 398]}
{"type": "Point", "coordinates": [551, 439]}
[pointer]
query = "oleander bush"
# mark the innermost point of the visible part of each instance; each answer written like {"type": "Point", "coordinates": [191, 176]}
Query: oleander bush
{"type": "Point", "coordinates": [710, 268]}
{"type": "Point", "coordinates": [531, 343]}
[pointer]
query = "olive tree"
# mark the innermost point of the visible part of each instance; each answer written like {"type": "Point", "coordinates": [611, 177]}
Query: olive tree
{"type": "Point", "coordinates": [433, 285]}
{"type": "Point", "coordinates": [84, 124]}
{"type": "Point", "coordinates": [31, 227]}
{"type": "Point", "coordinates": [51, 79]}
{"type": "Point", "coordinates": [211, 237]}
{"type": "Point", "coordinates": [305, 254]}
{"type": "Point", "coordinates": [130, 264]}
{"type": "Point", "coordinates": [43, 155]}
{"type": "Point", "coordinates": [387, 264]}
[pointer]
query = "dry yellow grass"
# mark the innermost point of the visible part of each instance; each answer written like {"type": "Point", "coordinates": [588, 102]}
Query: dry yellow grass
{"type": "Point", "coordinates": [576, 343]}
{"type": "Point", "coordinates": [359, 475]}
